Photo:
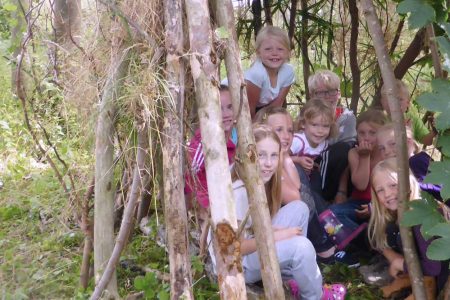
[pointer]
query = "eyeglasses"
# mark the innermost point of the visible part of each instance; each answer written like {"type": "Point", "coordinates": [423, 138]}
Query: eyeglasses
{"type": "Point", "coordinates": [328, 93]}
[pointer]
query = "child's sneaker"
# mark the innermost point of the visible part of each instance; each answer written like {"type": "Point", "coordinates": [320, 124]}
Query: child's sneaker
{"type": "Point", "coordinates": [340, 257]}
{"type": "Point", "coordinates": [334, 292]}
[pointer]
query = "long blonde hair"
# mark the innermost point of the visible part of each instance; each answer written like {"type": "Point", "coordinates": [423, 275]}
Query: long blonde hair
{"type": "Point", "coordinates": [380, 216]}
{"type": "Point", "coordinates": [273, 186]}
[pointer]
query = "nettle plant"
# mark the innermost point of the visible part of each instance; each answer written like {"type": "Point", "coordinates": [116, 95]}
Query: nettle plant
{"type": "Point", "coordinates": [428, 212]}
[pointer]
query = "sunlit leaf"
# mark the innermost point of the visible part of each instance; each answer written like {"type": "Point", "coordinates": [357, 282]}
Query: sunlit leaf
{"type": "Point", "coordinates": [444, 143]}
{"type": "Point", "coordinates": [440, 174]}
{"type": "Point", "coordinates": [441, 229]}
{"type": "Point", "coordinates": [438, 249]}
{"type": "Point", "coordinates": [421, 13]}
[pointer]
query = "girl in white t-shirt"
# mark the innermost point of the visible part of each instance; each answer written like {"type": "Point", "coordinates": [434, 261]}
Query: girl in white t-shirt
{"type": "Point", "coordinates": [317, 123]}
{"type": "Point", "coordinates": [270, 77]}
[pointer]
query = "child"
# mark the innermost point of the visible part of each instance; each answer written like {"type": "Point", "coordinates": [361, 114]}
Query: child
{"type": "Point", "coordinates": [317, 121]}
{"type": "Point", "coordinates": [281, 122]}
{"type": "Point", "coordinates": [384, 229]}
{"type": "Point", "coordinates": [295, 253]}
{"type": "Point", "coordinates": [412, 118]}
{"type": "Point", "coordinates": [361, 160]}
{"type": "Point", "coordinates": [419, 161]}
{"type": "Point", "coordinates": [196, 178]}
{"type": "Point", "coordinates": [270, 77]}
{"type": "Point", "coordinates": [333, 167]}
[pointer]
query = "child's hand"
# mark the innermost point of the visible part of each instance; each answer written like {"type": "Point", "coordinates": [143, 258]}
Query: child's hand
{"type": "Point", "coordinates": [307, 163]}
{"type": "Point", "coordinates": [363, 212]}
{"type": "Point", "coordinates": [364, 148]}
{"type": "Point", "coordinates": [396, 266]}
{"type": "Point", "coordinates": [286, 233]}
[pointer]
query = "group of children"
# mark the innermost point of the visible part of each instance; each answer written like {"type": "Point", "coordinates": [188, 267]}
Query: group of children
{"type": "Point", "coordinates": [344, 164]}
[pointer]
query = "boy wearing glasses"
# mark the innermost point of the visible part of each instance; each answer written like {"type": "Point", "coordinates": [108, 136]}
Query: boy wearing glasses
{"type": "Point", "coordinates": [333, 167]}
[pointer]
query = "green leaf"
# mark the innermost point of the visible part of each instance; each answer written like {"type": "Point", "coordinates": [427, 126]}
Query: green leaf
{"type": "Point", "coordinates": [446, 27]}
{"type": "Point", "coordinates": [163, 295]}
{"type": "Point", "coordinates": [421, 13]}
{"type": "Point", "coordinates": [418, 212]}
{"type": "Point", "coordinates": [139, 283]}
{"type": "Point", "coordinates": [440, 174]}
{"type": "Point", "coordinates": [444, 44]}
{"type": "Point", "coordinates": [438, 249]}
{"type": "Point", "coordinates": [437, 101]}
{"type": "Point", "coordinates": [441, 229]}
{"type": "Point", "coordinates": [444, 142]}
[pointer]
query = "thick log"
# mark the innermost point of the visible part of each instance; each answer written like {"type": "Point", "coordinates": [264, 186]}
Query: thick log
{"type": "Point", "coordinates": [246, 152]}
{"type": "Point", "coordinates": [203, 63]}
{"type": "Point", "coordinates": [175, 213]}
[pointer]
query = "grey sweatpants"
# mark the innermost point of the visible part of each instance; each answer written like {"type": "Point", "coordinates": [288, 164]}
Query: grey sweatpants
{"type": "Point", "coordinates": [296, 256]}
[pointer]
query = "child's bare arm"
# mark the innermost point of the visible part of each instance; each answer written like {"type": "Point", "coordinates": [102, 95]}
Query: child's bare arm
{"type": "Point", "coordinates": [253, 94]}
{"type": "Point", "coordinates": [359, 168]}
{"type": "Point", "coordinates": [307, 163]}
{"type": "Point", "coordinates": [341, 195]}
{"type": "Point", "coordinates": [281, 98]}
{"type": "Point", "coordinates": [291, 171]}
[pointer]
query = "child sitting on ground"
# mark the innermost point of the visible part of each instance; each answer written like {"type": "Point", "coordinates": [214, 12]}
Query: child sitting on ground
{"type": "Point", "coordinates": [384, 232]}
{"type": "Point", "coordinates": [317, 123]}
{"type": "Point", "coordinates": [281, 122]}
{"type": "Point", "coordinates": [419, 161]}
{"type": "Point", "coordinates": [362, 159]}
{"type": "Point", "coordinates": [295, 252]}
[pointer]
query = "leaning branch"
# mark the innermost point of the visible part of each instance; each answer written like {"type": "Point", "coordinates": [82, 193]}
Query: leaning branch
{"type": "Point", "coordinates": [387, 73]}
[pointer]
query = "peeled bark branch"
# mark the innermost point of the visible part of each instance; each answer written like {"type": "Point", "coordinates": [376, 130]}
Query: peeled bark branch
{"type": "Point", "coordinates": [175, 213]}
{"type": "Point", "coordinates": [127, 219]}
{"type": "Point", "coordinates": [409, 248]}
{"type": "Point", "coordinates": [270, 270]}
{"type": "Point", "coordinates": [203, 63]}
{"type": "Point", "coordinates": [104, 175]}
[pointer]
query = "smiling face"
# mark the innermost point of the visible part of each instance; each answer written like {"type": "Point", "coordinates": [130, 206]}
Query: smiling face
{"type": "Point", "coordinates": [317, 130]}
{"type": "Point", "coordinates": [284, 128]}
{"type": "Point", "coordinates": [269, 157]}
{"type": "Point", "coordinates": [384, 184]}
{"type": "Point", "coordinates": [367, 132]}
{"type": "Point", "coordinates": [227, 111]}
{"type": "Point", "coordinates": [272, 52]}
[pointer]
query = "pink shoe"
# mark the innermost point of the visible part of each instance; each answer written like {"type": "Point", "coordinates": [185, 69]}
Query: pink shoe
{"type": "Point", "coordinates": [334, 292]}
{"type": "Point", "coordinates": [293, 287]}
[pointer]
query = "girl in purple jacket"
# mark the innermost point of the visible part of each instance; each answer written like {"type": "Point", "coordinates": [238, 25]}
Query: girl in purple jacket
{"type": "Point", "coordinates": [383, 229]}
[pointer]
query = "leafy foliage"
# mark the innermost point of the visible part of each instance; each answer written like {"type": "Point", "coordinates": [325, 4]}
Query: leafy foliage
{"type": "Point", "coordinates": [421, 13]}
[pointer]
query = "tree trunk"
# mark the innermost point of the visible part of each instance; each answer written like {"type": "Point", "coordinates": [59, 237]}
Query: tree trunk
{"type": "Point", "coordinates": [175, 213]}
{"type": "Point", "coordinates": [270, 270]}
{"type": "Point", "coordinates": [292, 17]}
{"type": "Point", "coordinates": [304, 46]}
{"type": "Point", "coordinates": [127, 220]}
{"type": "Point", "coordinates": [268, 12]}
{"type": "Point", "coordinates": [256, 11]}
{"type": "Point", "coordinates": [356, 73]}
{"type": "Point", "coordinates": [86, 227]}
{"type": "Point", "coordinates": [434, 52]}
{"type": "Point", "coordinates": [67, 21]}
{"type": "Point", "coordinates": [387, 73]}
{"type": "Point", "coordinates": [223, 211]}
{"type": "Point", "coordinates": [410, 55]}
{"type": "Point", "coordinates": [104, 170]}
